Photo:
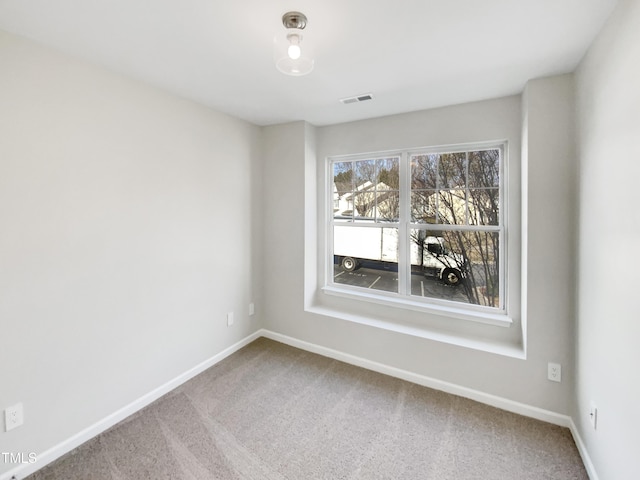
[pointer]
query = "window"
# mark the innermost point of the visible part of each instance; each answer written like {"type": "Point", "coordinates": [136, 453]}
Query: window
{"type": "Point", "coordinates": [424, 227]}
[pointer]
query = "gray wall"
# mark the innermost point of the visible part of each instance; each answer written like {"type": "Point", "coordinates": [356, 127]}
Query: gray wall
{"type": "Point", "coordinates": [608, 100]}
{"type": "Point", "coordinates": [292, 186]}
{"type": "Point", "coordinates": [117, 266]}
{"type": "Point", "coordinates": [126, 218]}
{"type": "Point", "coordinates": [549, 217]}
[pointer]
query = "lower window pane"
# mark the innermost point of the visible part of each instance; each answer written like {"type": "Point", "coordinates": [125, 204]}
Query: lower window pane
{"type": "Point", "coordinates": [366, 257]}
{"type": "Point", "coordinates": [456, 266]}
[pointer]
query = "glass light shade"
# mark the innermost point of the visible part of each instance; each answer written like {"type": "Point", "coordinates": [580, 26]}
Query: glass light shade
{"type": "Point", "coordinates": [291, 54]}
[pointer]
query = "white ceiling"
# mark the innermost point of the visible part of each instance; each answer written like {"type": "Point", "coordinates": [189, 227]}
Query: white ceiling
{"type": "Point", "coordinates": [411, 54]}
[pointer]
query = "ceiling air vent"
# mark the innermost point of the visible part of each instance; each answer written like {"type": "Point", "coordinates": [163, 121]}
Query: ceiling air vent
{"type": "Point", "coordinates": [357, 98]}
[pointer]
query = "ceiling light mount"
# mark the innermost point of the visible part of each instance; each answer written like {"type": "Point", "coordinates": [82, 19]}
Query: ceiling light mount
{"type": "Point", "coordinates": [291, 56]}
{"type": "Point", "coordinates": [294, 20]}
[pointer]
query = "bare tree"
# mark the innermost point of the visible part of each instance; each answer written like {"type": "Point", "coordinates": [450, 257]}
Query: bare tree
{"type": "Point", "coordinates": [458, 190]}
{"type": "Point", "coordinates": [462, 189]}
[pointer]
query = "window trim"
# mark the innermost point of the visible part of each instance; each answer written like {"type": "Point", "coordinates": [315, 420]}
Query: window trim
{"type": "Point", "coordinates": [499, 316]}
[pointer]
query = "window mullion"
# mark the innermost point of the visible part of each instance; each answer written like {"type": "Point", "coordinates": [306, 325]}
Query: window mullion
{"type": "Point", "coordinates": [404, 254]}
{"type": "Point", "coordinates": [330, 220]}
{"type": "Point", "coordinates": [502, 211]}
{"type": "Point", "coordinates": [467, 193]}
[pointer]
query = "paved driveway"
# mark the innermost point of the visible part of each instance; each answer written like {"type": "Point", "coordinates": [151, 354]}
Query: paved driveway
{"type": "Point", "coordinates": [378, 278]}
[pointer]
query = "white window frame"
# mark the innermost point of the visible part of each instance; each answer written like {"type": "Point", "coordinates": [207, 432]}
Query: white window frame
{"type": "Point", "coordinates": [403, 299]}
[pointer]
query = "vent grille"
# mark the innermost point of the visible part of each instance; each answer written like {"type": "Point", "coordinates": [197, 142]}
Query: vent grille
{"type": "Point", "coordinates": [358, 98]}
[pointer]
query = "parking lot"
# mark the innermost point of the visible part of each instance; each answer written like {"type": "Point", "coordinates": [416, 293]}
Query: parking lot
{"type": "Point", "coordinates": [378, 278]}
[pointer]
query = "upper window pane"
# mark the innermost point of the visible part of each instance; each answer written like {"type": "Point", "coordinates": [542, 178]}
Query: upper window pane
{"type": "Point", "coordinates": [343, 177]}
{"type": "Point", "coordinates": [484, 207]}
{"type": "Point", "coordinates": [389, 174]}
{"type": "Point", "coordinates": [460, 188]}
{"type": "Point", "coordinates": [484, 168]}
{"type": "Point", "coordinates": [366, 190]}
{"type": "Point", "coordinates": [424, 171]}
{"type": "Point", "coordinates": [388, 206]}
{"type": "Point", "coordinates": [424, 206]}
{"type": "Point", "coordinates": [343, 190]}
{"type": "Point", "coordinates": [365, 205]}
{"type": "Point", "coordinates": [452, 207]}
{"type": "Point", "coordinates": [365, 174]}
{"type": "Point", "coordinates": [452, 170]}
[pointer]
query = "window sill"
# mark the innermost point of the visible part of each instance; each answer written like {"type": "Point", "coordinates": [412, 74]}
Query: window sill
{"type": "Point", "coordinates": [496, 319]}
{"type": "Point", "coordinates": [511, 350]}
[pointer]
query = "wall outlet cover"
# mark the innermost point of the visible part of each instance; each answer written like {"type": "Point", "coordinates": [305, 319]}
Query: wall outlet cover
{"type": "Point", "coordinates": [13, 417]}
{"type": "Point", "coordinates": [593, 416]}
{"type": "Point", "coordinates": [554, 372]}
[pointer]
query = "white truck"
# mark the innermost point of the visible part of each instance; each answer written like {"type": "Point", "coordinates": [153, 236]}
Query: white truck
{"type": "Point", "coordinates": [353, 244]}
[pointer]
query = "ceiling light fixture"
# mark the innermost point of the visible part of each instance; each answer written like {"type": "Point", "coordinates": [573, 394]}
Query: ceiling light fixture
{"type": "Point", "coordinates": [291, 58]}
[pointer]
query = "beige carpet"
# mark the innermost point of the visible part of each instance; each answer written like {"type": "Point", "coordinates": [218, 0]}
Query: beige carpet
{"type": "Point", "coordinates": [272, 412]}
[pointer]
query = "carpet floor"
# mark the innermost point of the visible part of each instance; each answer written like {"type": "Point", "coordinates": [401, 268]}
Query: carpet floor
{"type": "Point", "coordinates": [273, 412]}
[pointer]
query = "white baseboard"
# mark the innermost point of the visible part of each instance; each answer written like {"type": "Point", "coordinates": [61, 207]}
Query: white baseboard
{"type": "Point", "coordinates": [582, 448]}
{"type": "Point", "coordinates": [97, 428]}
{"type": "Point", "coordinates": [482, 397]}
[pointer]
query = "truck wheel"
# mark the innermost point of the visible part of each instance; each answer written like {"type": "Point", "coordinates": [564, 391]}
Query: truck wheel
{"type": "Point", "coordinates": [452, 277]}
{"type": "Point", "coordinates": [349, 264]}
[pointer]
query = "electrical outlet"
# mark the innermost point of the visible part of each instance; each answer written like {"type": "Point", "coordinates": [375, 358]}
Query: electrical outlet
{"type": "Point", "coordinates": [252, 309]}
{"type": "Point", "coordinates": [593, 416]}
{"type": "Point", "coordinates": [554, 372]}
{"type": "Point", "coordinates": [13, 417]}
{"type": "Point", "coordinates": [230, 319]}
